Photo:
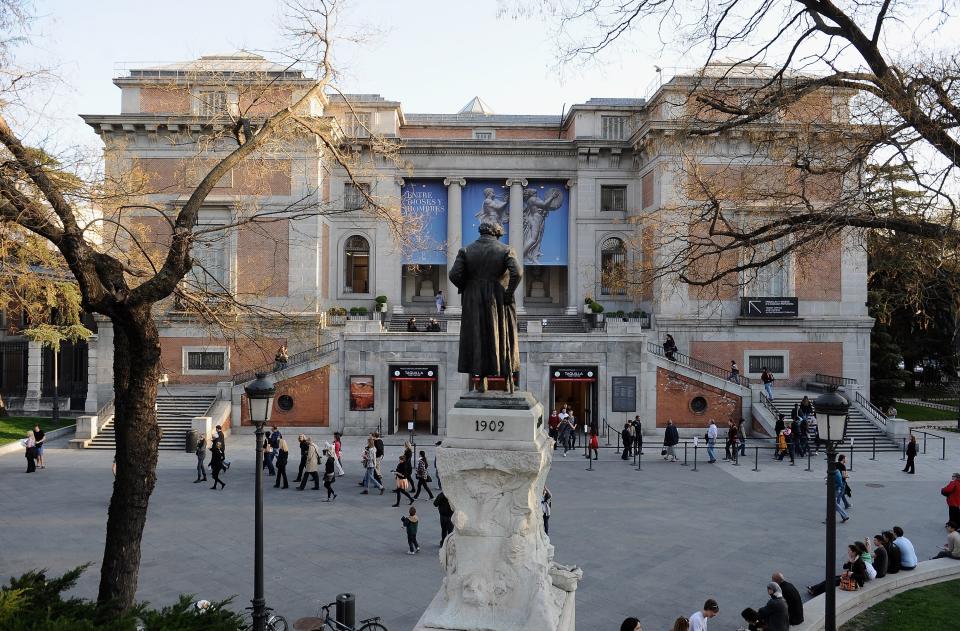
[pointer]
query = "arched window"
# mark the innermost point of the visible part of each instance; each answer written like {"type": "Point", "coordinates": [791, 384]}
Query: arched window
{"type": "Point", "coordinates": [613, 267]}
{"type": "Point", "coordinates": [357, 265]}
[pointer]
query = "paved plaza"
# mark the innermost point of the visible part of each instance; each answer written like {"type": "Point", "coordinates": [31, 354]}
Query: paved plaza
{"type": "Point", "coordinates": [652, 543]}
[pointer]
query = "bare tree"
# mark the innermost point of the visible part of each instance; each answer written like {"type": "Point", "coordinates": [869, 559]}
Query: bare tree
{"type": "Point", "coordinates": [130, 276]}
{"type": "Point", "coordinates": [810, 90]}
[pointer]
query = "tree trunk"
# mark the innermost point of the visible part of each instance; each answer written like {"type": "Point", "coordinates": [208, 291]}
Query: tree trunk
{"type": "Point", "coordinates": [136, 368]}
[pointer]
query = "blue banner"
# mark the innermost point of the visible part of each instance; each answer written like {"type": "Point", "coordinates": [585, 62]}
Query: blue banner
{"type": "Point", "coordinates": [425, 202]}
{"type": "Point", "coordinates": [487, 200]}
{"type": "Point", "coordinates": [546, 206]}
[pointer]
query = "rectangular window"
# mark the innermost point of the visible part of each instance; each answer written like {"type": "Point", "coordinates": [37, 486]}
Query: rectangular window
{"type": "Point", "coordinates": [613, 198]}
{"type": "Point", "coordinates": [773, 363]}
{"type": "Point", "coordinates": [211, 268]}
{"type": "Point", "coordinates": [212, 103]}
{"type": "Point", "coordinates": [357, 124]}
{"type": "Point", "coordinates": [207, 360]}
{"type": "Point", "coordinates": [353, 196]}
{"type": "Point", "coordinates": [613, 127]}
{"type": "Point", "coordinates": [483, 135]}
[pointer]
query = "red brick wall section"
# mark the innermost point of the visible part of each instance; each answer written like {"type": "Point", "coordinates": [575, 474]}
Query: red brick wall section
{"type": "Point", "coordinates": [436, 132]}
{"type": "Point", "coordinates": [252, 177]}
{"type": "Point", "coordinates": [806, 358]}
{"type": "Point", "coordinates": [163, 100]}
{"type": "Point", "coordinates": [817, 273]}
{"type": "Point", "coordinates": [311, 402]}
{"type": "Point", "coordinates": [244, 355]}
{"type": "Point", "coordinates": [647, 189]}
{"type": "Point", "coordinates": [263, 254]}
{"type": "Point", "coordinates": [675, 392]}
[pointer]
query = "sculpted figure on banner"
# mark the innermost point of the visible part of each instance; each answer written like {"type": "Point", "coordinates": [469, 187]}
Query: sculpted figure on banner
{"type": "Point", "coordinates": [487, 273]}
{"type": "Point", "coordinates": [494, 209]}
{"type": "Point", "coordinates": [535, 211]}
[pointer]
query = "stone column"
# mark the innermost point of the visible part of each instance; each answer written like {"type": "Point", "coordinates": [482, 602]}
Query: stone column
{"type": "Point", "coordinates": [454, 237]}
{"type": "Point", "coordinates": [516, 231]}
{"type": "Point", "coordinates": [574, 299]}
{"type": "Point", "coordinates": [90, 404]}
{"type": "Point", "coordinates": [31, 402]}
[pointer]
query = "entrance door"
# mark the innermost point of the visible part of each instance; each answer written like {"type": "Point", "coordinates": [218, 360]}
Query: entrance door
{"type": "Point", "coordinates": [413, 396]}
{"type": "Point", "coordinates": [575, 388]}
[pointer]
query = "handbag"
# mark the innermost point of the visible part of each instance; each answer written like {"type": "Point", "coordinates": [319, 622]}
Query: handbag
{"type": "Point", "coordinates": [848, 583]}
{"type": "Point", "coordinates": [847, 491]}
{"type": "Point", "coordinates": [663, 452]}
{"type": "Point", "coordinates": [428, 478]}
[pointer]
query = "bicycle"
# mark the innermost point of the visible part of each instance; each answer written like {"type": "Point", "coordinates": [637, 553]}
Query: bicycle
{"type": "Point", "coordinates": [329, 622]}
{"type": "Point", "coordinates": [274, 622]}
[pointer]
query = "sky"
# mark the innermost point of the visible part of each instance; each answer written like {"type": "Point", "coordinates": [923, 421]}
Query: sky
{"type": "Point", "coordinates": [431, 55]}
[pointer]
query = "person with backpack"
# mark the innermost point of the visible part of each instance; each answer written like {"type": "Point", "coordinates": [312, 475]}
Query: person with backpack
{"type": "Point", "coordinates": [410, 524]}
{"type": "Point", "coordinates": [423, 476]}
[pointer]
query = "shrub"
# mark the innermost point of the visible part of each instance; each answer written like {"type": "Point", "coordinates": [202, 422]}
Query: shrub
{"type": "Point", "coordinates": [33, 603]}
{"type": "Point", "coordinates": [380, 300]}
{"type": "Point", "coordinates": [596, 307]}
{"type": "Point", "coordinates": [362, 311]}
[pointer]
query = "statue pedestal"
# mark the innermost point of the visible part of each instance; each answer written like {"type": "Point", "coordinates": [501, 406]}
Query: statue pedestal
{"type": "Point", "coordinates": [500, 573]}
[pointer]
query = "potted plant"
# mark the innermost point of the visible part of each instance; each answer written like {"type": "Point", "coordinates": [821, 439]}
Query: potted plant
{"type": "Point", "coordinates": [596, 309]}
{"type": "Point", "coordinates": [586, 305]}
{"type": "Point", "coordinates": [381, 303]}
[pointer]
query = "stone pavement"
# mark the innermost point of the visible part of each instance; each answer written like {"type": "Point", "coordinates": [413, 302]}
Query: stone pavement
{"type": "Point", "coordinates": [653, 543]}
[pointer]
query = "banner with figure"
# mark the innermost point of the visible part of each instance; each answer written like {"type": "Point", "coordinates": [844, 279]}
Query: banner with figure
{"type": "Point", "coordinates": [425, 202]}
{"type": "Point", "coordinates": [546, 204]}
{"type": "Point", "coordinates": [484, 200]}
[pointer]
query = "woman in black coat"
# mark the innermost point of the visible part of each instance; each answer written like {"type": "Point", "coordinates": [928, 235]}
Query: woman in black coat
{"type": "Point", "coordinates": [283, 455]}
{"type": "Point", "coordinates": [911, 454]}
{"type": "Point", "coordinates": [216, 464]}
{"type": "Point", "coordinates": [329, 475]}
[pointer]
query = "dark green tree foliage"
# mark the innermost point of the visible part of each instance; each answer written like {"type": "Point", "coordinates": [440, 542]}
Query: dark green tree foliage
{"type": "Point", "coordinates": [34, 603]}
{"type": "Point", "coordinates": [887, 379]}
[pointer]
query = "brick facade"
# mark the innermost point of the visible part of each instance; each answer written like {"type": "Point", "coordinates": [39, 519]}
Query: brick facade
{"type": "Point", "coordinates": [310, 394]}
{"type": "Point", "coordinates": [675, 393]}
{"type": "Point", "coordinates": [244, 355]}
{"type": "Point", "coordinates": [806, 358]}
{"type": "Point", "coordinates": [263, 258]}
{"type": "Point", "coordinates": [818, 274]}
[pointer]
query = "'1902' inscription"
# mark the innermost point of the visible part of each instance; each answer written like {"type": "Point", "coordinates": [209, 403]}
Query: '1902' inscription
{"type": "Point", "coordinates": [489, 426]}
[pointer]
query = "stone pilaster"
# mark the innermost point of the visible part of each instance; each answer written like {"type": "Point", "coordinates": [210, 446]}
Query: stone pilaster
{"type": "Point", "coordinates": [573, 295]}
{"type": "Point", "coordinates": [31, 402]}
{"type": "Point", "coordinates": [90, 404]}
{"type": "Point", "coordinates": [516, 232]}
{"type": "Point", "coordinates": [454, 237]}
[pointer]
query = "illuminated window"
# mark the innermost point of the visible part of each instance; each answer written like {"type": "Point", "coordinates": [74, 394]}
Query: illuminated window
{"type": "Point", "coordinates": [357, 265]}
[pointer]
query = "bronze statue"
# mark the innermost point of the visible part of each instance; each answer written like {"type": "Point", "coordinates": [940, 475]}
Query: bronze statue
{"type": "Point", "coordinates": [487, 273]}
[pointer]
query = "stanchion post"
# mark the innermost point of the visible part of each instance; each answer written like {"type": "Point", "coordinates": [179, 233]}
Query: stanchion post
{"type": "Point", "coordinates": [850, 468]}
{"type": "Point", "coordinates": [809, 467]}
{"type": "Point", "coordinates": [924, 443]}
{"type": "Point", "coordinates": [874, 448]}
{"type": "Point", "coordinates": [640, 461]}
{"type": "Point", "coordinates": [685, 453]}
{"type": "Point", "coordinates": [903, 451]}
{"type": "Point", "coordinates": [756, 458]}
{"type": "Point", "coordinates": [943, 448]}
{"type": "Point", "coordinates": [695, 447]}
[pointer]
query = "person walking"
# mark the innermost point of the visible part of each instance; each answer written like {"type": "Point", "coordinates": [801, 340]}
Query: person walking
{"type": "Point", "coordinates": [410, 525]}
{"type": "Point", "coordinates": [216, 463]}
{"type": "Point", "coordinates": [730, 447]}
{"type": "Point", "coordinates": [671, 438]}
{"type": "Point", "coordinates": [423, 476]}
{"type": "Point", "coordinates": [381, 450]}
{"type": "Point", "coordinates": [304, 446]}
{"type": "Point", "coordinates": [699, 619]}
{"type": "Point", "coordinates": [742, 436]}
{"type": "Point", "coordinates": [30, 444]}
{"type": "Point", "coordinates": [337, 448]}
{"type": "Point", "coordinates": [594, 446]}
{"type": "Point", "coordinates": [766, 377]}
{"type": "Point", "coordinates": [370, 468]}
{"type": "Point", "coordinates": [839, 486]}
{"type": "Point", "coordinates": [734, 372]}
{"type": "Point", "coordinates": [401, 480]}
{"type": "Point", "coordinates": [911, 454]}
{"type": "Point", "coordinates": [546, 507]}
{"type": "Point", "coordinates": [220, 437]}
{"type": "Point", "coordinates": [312, 467]}
{"type": "Point", "coordinates": [711, 442]}
{"type": "Point", "coordinates": [842, 468]}
{"type": "Point", "coordinates": [329, 474]}
{"type": "Point", "coordinates": [564, 433]}
{"type": "Point", "coordinates": [626, 435]}
{"type": "Point", "coordinates": [952, 494]}
{"type": "Point", "coordinates": [553, 424]}
{"type": "Point", "coordinates": [201, 453]}
{"type": "Point", "coordinates": [39, 436]}
{"type": "Point", "coordinates": [445, 510]}
{"type": "Point", "coordinates": [669, 347]}
{"type": "Point", "coordinates": [281, 358]}
{"type": "Point", "coordinates": [283, 456]}
{"type": "Point", "coordinates": [792, 597]}
{"type": "Point", "coordinates": [637, 435]}
{"type": "Point", "coordinates": [439, 302]}
{"type": "Point", "coordinates": [795, 435]}
{"type": "Point", "coordinates": [805, 409]}
{"type": "Point", "coordinates": [268, 458]}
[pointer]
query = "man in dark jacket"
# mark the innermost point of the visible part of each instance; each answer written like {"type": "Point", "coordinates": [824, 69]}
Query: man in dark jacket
{"type": "Point", "coordinates": [446, 515]}
{"type": "Point", "coordinates": [304, 446]}
{"type": "Point", "coordinates": [774, 615]}
{"type": "Point", "coordinates": [627, 440]}
{"type": "Point", "coordinates": [671, 437]}
{"type": "Point", "coordinates": [792, 597]}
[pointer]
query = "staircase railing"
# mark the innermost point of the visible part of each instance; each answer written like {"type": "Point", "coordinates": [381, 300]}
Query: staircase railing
{"type": "Point", "coordinates": [833, 380]}
{"type": "Point", "coordinates": [768, 404]}
{"type": "Point", "coordinates": [106, 410]}
{"type": "Point", "coordinates": [872, 411]}
{"type": "Point", "coordinates": [294, 360]}
{"type": "Point", "coordinates": [697, 364]}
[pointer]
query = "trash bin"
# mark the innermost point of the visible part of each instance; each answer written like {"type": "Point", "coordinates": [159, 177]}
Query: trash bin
{"type": "Point", "coordinates": [347, 609]}
{"type": "Point", "coordinates": [193, 439]}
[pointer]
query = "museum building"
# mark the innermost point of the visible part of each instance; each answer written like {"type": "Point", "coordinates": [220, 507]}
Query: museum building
{"type": "Point", "coordinates": [577, 195]}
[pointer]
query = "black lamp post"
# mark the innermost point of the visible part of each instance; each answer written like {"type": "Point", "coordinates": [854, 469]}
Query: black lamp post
{"type": "Point", "coordinates": [833, 408]}
{"type": "Point", "coordinates": [260, 400]}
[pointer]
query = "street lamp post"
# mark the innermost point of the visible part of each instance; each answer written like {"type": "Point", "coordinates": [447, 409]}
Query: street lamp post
{"type": "Point", "coordinates": [833, 408]}
{"type": "Point", "coordinates": [260, 400]}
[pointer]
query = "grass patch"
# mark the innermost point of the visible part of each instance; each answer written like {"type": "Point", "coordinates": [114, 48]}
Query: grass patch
{"type": "Point", "coordinates": [913, 412]}
{"type": "Point", "coordinates": [919, 609]}
{"type": "Point", "coordinates": [15, 427]}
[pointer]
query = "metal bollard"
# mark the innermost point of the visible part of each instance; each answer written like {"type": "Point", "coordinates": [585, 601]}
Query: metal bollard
{"type": "Point", "coordinates": [347, 609]}
{"type": "Point", "coordinates": [943, 448]}
{"type": "Point", "coordinates": [850, 468]}
{"type": "Point", "coordinates": [756, 458]}
{"type": "Point", "coordinates": [903, 454]}
{"type": "Point", "coordinates": [924, 443]}
{"type": "Point", "coordinates": [640, 461]}
{"type": "Point", "coordinates": [874, 456]}
{"type": "Point", "coordinates": [590, 466]}
{"type": "Point", "coordinates": [809, 466]}
{"type": "Point", "coordinates": [684, 453]}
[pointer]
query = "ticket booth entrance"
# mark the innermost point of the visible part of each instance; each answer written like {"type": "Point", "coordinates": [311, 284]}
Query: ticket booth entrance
{"type": "Point", "coordinates": [575, 387]}
{"type": "Point", "coordinates": [413, 399]}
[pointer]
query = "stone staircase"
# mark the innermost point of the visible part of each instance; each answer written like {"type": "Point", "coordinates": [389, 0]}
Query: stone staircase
{"type": "Point", "coordinates": [555, 323]}
{"type": "Point", "coordinates": [174, 415]}
{"type": "Point", "coordinates": [859, 427]}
